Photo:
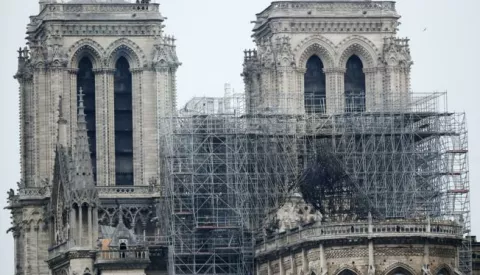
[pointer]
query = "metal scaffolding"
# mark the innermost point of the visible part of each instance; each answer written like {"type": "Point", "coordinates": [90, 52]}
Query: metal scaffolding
{"type": "Point", "coordinates": [224, 173]}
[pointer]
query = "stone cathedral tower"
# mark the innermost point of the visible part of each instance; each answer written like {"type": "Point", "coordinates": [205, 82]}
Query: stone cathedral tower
{"type": "Point", "coordinates": [333, 167]}
{"type": "Point", "coordinates": [94, 78]}
{"type": "Point", "coordinates": [350, 44]}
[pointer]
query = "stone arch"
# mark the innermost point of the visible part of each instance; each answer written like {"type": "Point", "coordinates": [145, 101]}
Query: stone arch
{"type": "Point", "coordinates": [360, 46]}
{"type": "Point", "coordinates": [347, 268]}
{"type": "Point", "coordinates": [315, 45]}
{"type": "Point", "coordinates": [313, 271]}
{"type": "Point", "coordinates": [125, 47]}
{"type": "Point", "coordinates": [446, 267]}
{"type": "Point", "coordinates": [86, 48]}
{"type": "Point", "coordinates": [87, 271]}
{"type": "Point", "coordinates": [401, 266]}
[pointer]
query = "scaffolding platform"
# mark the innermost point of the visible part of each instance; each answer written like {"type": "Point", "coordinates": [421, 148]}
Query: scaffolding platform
{"type": "Point", "coordinates": [225, 173]}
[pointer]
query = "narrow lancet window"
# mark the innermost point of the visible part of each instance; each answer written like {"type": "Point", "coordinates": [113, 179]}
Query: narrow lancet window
{"type": "Point", "coordinates": [314, 82]}
{"type": "Point", "coordinates": [123, 123]}
{"type": "Point", "coordinates": [86, 82]}
{"type": "Point", "coordinates": [354, 85]}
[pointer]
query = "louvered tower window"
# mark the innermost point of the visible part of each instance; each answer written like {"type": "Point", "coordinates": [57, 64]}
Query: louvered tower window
{"type": "Point", "coordinates": [354, 85]}
{"type": "Point", "coordinates": [314, 82]}
{"type": "Point", "coordinates": [123, 123]}
{"type": "Point", "coordinates": [86, 81]}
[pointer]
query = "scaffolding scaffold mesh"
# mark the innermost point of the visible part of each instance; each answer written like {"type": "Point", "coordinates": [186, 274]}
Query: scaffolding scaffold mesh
{"type": "Point", "coordinates": [225, 173]}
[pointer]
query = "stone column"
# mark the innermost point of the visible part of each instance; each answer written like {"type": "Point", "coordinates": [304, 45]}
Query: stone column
{"type": "Point", "coordinates": [289, 101]}
{"type": "Point", "coordinates": [137, 119]}
{"type": "Point", "coordinates": [71, 105]}
{"type": "Point", "coordinates": [41, 129]}
{"type": "Point", "coordinates": [90, 229]}
{"type": "Point", "coordinates": [35, 249]}
{"type": "Point", "coordinates": [304, 260]}
{"type": "Point", "coordinates": [426, 257]}
{"type": "Point", "coordinates": [300, 90]}
{"type": "Point", "coordinates": [103, 126]}
{"type": "Point", "coordinates": [371, 259]}
{"type": "Point", "coordinates": [95, 225]}
{"type": "Point", "coordinates": [150, 127]}
{"type": "Point", "coordinates": [293, 263]}
{"type": "Point", "coordinates": [16, 249]}
{"type": "Point", "coordinates": [73, 225]}
{"type": "Point", "coordinates": [335, 90]}
{"type": "Point", "coordinates": [80, 225]}
{"type": "Point", "coordinates": [370, 89]}
{"type": "Point", "coordinates": [109, 128]}
{"type": "Point", "coordinates": [323, 260]}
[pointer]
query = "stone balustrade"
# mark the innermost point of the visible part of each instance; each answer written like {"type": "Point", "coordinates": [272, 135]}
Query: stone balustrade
{"type": "Point", "coordinates": [383, 229]}
{"type": "Point", "coordinates": [102, 8]}
{"type": "Point", "coordinates": [153, 240]}
{"type": "Point", "coordinates": [325, 6]}
{"type": "Point", "coordinates": [117, 254]}
{"type": "Point", "coordinates": [129, 191]}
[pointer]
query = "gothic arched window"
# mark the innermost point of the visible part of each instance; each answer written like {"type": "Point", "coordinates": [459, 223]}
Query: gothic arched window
{"type": "Point", "coordinates": [315, 91]}
{"type": "Point", "coordinates": [86, 82]}
{"type": "Point", "coordinates": [123, 123]}
{"type": "Point", "coordinates": [354, 85]}
{"type": "Point", "coordinates": [347, 272]}
{"type": "Point", "coordinates": [443, 271]}
{"type": "Point", "coordinates": [399, 271]}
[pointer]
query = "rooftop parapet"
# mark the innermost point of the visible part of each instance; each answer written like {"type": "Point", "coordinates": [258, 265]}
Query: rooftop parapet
{"type": "Point", "coordinates": [305, 10]}
{"type": "Point", "coordinates": [358, 230]}
{"type": "Point", "coordinates": [96, 12]}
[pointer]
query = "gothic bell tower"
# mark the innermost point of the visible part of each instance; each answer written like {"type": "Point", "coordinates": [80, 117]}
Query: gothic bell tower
{"type": "Point", "coordinates": [116, 54]}
{"type": "Point", "coordinates": [325, 57]}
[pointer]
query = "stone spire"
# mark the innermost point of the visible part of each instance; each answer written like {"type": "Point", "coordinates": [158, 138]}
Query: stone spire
{"type": "Point", "coordinates": [83, 184]}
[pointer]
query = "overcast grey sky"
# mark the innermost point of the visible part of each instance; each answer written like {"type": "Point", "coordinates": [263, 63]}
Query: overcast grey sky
{"type": "Point", "coordinates": [212, 35]}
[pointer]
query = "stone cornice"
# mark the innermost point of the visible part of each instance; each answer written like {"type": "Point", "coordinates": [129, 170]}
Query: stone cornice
{"type": "Point", "coordinates": [64, 258]}
{"type": "Point", "coordinates": [96, 12]}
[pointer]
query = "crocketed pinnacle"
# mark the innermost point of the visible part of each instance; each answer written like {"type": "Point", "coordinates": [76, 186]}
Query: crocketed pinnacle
{"type": "Point", "coordinates": [82, 163]}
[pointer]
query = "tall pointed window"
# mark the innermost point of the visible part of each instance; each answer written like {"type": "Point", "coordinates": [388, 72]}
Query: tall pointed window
{"type": "Point", "coordinates": [123, 123]}
{"type": "Point", "coordinates": [86, 81]}
{"type": "Point", "coordinates": [399, 271]}
{"type": "Point", "coordinates": [354, 85]}
{"type": "Point", "coordinates": [314, 86]}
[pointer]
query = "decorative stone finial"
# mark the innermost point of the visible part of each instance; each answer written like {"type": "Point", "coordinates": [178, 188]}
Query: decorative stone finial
{"type": "Point", "coordinates": [82, 171]}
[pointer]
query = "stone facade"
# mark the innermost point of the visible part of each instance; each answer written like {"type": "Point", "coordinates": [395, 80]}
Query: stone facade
{"type": "Point", "coordinates": [59, 37]}
{"type": "Point", "coordinates": [288, 33]}
{"type": "Point", "coordinates": [70, 217]}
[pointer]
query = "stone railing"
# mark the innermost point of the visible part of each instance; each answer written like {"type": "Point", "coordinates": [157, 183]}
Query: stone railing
{"type": "Point", "coordinates": [153, 240]}
{"type": "Point", "coordinates": [135, 191]}
{"type": "Point", "coordinates": [330, 6]}
{"type": "Point", "coordinates": [140, 254]}
{"type": "Point", "coordinates": [102, 8]}
{"type": "Point", "coordinates": [359, 230]}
